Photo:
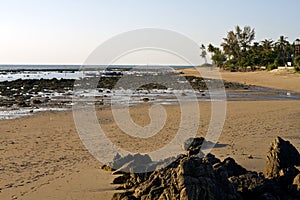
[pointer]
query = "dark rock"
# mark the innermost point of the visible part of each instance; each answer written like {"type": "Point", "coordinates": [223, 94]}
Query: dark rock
{"type": "Point", "coordinates": [146, 99]}
{"type": "Point", "coordinates": [107, 168]}
{"type": "Point", "coordinates": [193, 145]}
{"type": "Point", "coordinates": [133, 163]}
{"type": "Point", "coordinates": [36, 101]}
{"type": "Point", "coordinates": [287, 175]}
{"type": "Point", "coordinates": [282, 154]}
{"type": "Point", "coordinates": [194, 167]}
{"type": "Point", "coordinates": [193, 177]}
{"type": "Point", "coordinates": [187, 178]}
{"type": "Point", "coordinates": [296, 181]}
{"type": "Point", "coordinates": [210, 158]}
{"type": "Point", "coordinates": [121, 179]}
{"type": "Point", "coordinates": [250, 185]}
{"type": "Point", "coordinates": [268, 196]}
{"type": "Point", "coordinates": [229, 168]}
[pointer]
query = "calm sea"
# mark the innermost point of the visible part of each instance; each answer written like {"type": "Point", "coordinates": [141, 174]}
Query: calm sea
{"type": "Point", "coordinates": [77, 67]}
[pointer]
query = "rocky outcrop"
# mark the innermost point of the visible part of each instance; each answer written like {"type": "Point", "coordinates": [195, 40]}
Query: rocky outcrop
{"type": "Point", "coordinates": [187, 178]}
{"type": "Point", "coordinates": [191, 177]}
{"type": "Point", "coordinates": [282, 154]}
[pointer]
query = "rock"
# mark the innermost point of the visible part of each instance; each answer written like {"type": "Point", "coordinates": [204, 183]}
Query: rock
{"type": "Point", "coordinates": [36, 101]}
{"type": "Point", "coordinates": [194, 167]}
{"type": "Point", "coordinates": [123, 196]}
{"type": "Point", "coordinates": [267, 196]}
{"type": "Point", "coordinates": [186, 178]}
{"type": "Point", "coordinates": [210, 158]}
{"type": "Point", "coordinates": [296, 182]}
{"type": "Point", "coordinates": [121, 179]}
{"type": "Point", "coordinates": [229, 168]}
{"type": "Point", "coordinates": [193, 145]}
{"type": "Point", "coordinates": [247, 183]}
{"type": "Point", "coordinates": [145, 99]}
{"type": "Point", "coordinates": [194, 177]}
{"type": "Point", "coordinates": [133, 163]}
{"type": "Point", "coordinates": [107, 168]}
{"type": "Point", "coordinates": [282, 154]}
{"type": "Point", "coordinates": [287, 175]}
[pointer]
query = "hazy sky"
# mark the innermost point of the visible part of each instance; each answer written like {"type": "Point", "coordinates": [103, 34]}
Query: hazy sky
{"type": "Point", "coordinates": [67, 31]}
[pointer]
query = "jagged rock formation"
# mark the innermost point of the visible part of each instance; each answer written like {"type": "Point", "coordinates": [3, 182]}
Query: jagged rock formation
{"type": "Point", "coordinates": [191, 177]}
{"type": "Point", "coordinates": [282, 154]}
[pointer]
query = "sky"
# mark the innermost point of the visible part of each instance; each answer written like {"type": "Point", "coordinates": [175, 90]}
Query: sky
{"type": "Point", "coordinates": [67, 31]}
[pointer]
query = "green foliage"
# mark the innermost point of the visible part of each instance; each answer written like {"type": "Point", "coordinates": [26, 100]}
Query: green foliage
{"type": "Point", "coordinates": [237, 43]}
{"type": "Point", "coordinates": [297, 63]}
{"type": "Point", "coordinates": [271, 67]}
{"type": "Point", "coordinates": [218, 57]}
{"type": "Point", "coordinates": [239, 51]}
{"type": "Point", "coordinates": [203, 52]}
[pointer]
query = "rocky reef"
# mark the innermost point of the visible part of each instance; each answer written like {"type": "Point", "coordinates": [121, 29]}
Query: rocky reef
{"type": "Point", "coordinates": [193, 177]}
{"type": "Point", "coordinates": [31, 92]}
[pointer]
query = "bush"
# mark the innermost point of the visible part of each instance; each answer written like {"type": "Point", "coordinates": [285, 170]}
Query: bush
{"type": "Point", "coordinates": [271, 67]}
{"type": "Point", "coordinates": [297, 63]}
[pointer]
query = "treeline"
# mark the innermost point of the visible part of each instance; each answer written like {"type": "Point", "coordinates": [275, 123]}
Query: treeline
{"type": "Point", "coordinates": [239, 52]}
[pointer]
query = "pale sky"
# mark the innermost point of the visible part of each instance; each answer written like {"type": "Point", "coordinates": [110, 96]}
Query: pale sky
{"type": "Point", "coordinates": [67, 31]}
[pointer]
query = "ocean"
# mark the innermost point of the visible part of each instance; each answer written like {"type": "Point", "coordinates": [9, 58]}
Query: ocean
{"type": "Point", "coordinates": [78, 67]}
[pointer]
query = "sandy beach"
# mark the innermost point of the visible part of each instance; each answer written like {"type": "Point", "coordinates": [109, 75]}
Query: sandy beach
{"type": "Point", "coordinates": [42, 156]}
{"type": "Point", "coordinates": [279, 79]}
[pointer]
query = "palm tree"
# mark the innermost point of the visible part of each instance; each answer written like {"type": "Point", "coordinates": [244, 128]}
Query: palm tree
{"type": "Point", "coordinates": [268, 56]}
{"type": "Point", "coordinates": [203, 52]}
{"type": "Point", "coordinates": [267, 44]}
{"type": "Point", "coordinates": [237, 43]}
{"type": "Point", "coordinates": [282, 46]}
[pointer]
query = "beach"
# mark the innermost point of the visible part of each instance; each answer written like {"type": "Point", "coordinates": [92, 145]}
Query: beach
{"type": "Point", "coordinates": [279, 79]}
{"type": "Point", "coordinates": [42, 156]}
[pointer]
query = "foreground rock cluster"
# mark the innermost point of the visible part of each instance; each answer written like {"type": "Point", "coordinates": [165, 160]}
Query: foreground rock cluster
{"type": "Point", "coordinates": [190, 177]}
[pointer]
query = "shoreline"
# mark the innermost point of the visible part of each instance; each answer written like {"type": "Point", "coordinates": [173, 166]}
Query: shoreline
{"type": "Point", "coordinates": [22, 97]}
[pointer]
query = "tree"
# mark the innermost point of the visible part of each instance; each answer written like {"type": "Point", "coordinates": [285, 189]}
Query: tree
{"type": "Point", "coordinates": [218, 57]}
{"type": "Point", "coordinates": [239, 50]}
{"type": "Point", "coordinates": [283, 48]}
{"type": "Point", "coordinates": [237, 44]}
{"type": "Point", "coordinates": [268, 54]}
{"type": "Point", "coordinates": [297, 63]}
{"type": "Point", "coordinates": [203, 52]}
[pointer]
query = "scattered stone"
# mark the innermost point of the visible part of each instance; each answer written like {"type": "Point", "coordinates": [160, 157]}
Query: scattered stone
{"type": "Point", "coordinates": [146, 99]}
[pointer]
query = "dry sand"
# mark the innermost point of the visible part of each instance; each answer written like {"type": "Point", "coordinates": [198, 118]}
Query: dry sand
{"type": "Point", "coordinates": [42, 156]}
{"type": "Point", "coordinates": [279, 79]}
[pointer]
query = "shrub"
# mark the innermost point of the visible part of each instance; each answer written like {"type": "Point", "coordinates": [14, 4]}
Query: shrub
{"type": "Point", "coordinates": [271, 67]}
{"type": "Point", "coordinates": [297, 63]}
